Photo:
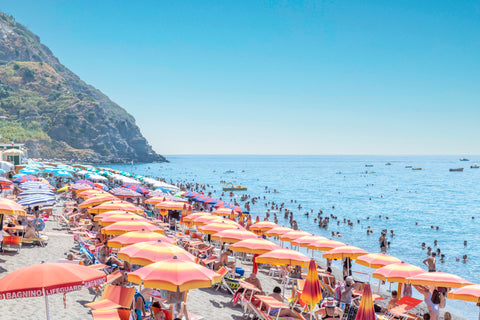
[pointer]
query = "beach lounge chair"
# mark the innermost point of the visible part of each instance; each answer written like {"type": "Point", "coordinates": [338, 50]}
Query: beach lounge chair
{"type": "Point", "coordinates": [102, 314]}
{"type": "Point", "coordinates": [403, 306]}
{"type": "Point", "coordinates": [12, 242]}
{"type": "Point", "coordinates": [225, 275]}
{"type": "Point", "coordinates": [114, 297]}
{"type": "Point", "coordinates": [110, 278]}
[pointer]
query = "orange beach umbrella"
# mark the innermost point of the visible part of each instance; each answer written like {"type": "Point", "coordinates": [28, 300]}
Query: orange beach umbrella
{"type": "Point", "coordinates": [101, 216]}
{"type": "Point", "coordinates": [216, 227]}
{"type": "Point", "coordinates": [289, 236]}
{"type": "Point", "coordinates": [234, 235]}
{"type": "Point", "coordinates": [256, 246]}
{"type": "Point", "coordinates": [312, 293]}
{"type": "Point", "coordinates": [284, 257]}
{"type": "Point", "coordinates": [325, 245]}
{"type": "Point", "coordinates": [345, 252]}
{"type": "Point", "coordinates": [397, 272]}
{"type": "Point", "coordinates": [133, 237]}
{"type": "Point", "coordinates": [376, 260]}
{"type": "Point", "coordinates": [205, 219]}
{"type": "Point", "coordinates": [467, 293]}
{"type": "Point", "coordinates": [93, 201]}
{"type": "Point", "coordinates": [276, 232]}
{"type": "Point", "coordinates": [173, 205]}
{"type": "Point", "coordinates": [439, 279]}
{"type": "Point", "coordinates": [45, 279]}
{"type": "Point", "coordinates": [116, 205]}
{"type": "Point", "coordinates": [145, 253]}
{"type": "Point", "coordinates": [111, 219]}
{"type": "Point", "coordinates": [263, 226]}
{"type": "Point", "coordinates": [155, 200]}
{"type": "Point", "coordinates": [122, 227]}
{"type": "Point", "coordinates": [11, 207]}
{"type": "Point", "coordinates": [306, 240]}
{"type": "Point", "coordinates": [174, 275]}
{"type": "Point", "coordinates": [224, 212]}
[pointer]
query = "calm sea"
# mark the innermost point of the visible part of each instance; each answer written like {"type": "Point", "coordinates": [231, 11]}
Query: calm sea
{"type": "Point", "coordinates": [413, 200]}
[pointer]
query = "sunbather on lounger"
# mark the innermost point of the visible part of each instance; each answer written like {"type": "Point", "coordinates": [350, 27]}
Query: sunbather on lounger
{"type": "Point", "coordinates": [281, 312]}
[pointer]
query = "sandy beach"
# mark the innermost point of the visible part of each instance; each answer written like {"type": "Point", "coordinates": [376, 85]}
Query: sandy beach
{"type": "Point", "coordinates": [209, 303]}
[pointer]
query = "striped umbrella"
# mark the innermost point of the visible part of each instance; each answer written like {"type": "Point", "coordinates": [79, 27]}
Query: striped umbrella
{"type": "Point", "coordinates": [125, 193]}
{"type": "Point", "coordinates": [276, 232]}
{"type": "Point", "coordinates": [263, 226]}
{"type": "Point", "coordinates": [306, 240]}
{"type": "Point", "coordinates": [121, 227]}
{"type": "Point", "coordinates": [224, 212]}
{"type": "Point", "coordinates": [36, 185]}
{"type": "Point", "coordinates": [30, 192]}
{"type": "Point", "coordinates": [5, 182]}
{"type": "Point", "coordinates": [11, 207]}
{"type": "Point", "coordinates": [173, 205]}
{"type": "Point", "coordinates": [345, 252]}
{"type": "Point", "coordinates": [234, 235]}
{"type": "Point", "coordinates": [206, 219]}
{"type": "Point", "coordinates": [377, 260]}
{"type": "Point", "coordinates": [366, 310]}
{"type": "Point", "coordinates": [325, 245]}
{"type": "Point", "coordinates": [93, 201]}
{"type": "Point", "coordinates": [145, 253]}
{"type": "Point", "coordinates": [290, 236]}
{"type": "Point", "coordinates": [216, 227]}
{"type": "Point", "coordinates": [111, 219]}
{"type": "Point", "coordinates": [91, 193]}
{"type": "Point", "coordinates": [133, 237]}
{"type": "Point", "coordinates": [37, 200]}
{"type": "Point", "coordinates": [255, 246]}
{"type": "Point", "coordinates": [116, 205]}
{"type": "Point", "coordinates": [397, 272]}
{"type": "Point", "coordinates": [174, 275]}
{"type": "Point", "coordinates": [439, 279]}
{"type": "Point", "coordinates": [467, 293]}
{"type": "Point", "coordinates": [312, 293]}
{"type": "Point", "coordinates": [101, 216]}
{"type": "Point", "coordinates": [188, 219]}
{"type": "Point", "coordinates": [136, 188]}
{"type": "Point", "coordinates": [284, 257]}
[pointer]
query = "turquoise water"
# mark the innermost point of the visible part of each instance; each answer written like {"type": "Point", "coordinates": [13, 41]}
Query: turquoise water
{"type": "Point", "coordinates": [432, 196]}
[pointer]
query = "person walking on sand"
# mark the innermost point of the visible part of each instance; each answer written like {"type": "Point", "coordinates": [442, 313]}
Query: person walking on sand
{"type": "Point", "coordinates": [430, 262]}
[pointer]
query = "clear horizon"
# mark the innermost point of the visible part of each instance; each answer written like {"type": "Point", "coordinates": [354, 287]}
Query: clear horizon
{"type": "Point", "coordinates": [262, 78]}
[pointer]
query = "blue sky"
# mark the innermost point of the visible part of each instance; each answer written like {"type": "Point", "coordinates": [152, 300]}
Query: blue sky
{"type": "Point", "coordinates": [278, 77]}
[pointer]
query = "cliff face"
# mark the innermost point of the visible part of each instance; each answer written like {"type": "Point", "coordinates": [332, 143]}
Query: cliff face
{"type": "Point", "coordinates": [48, 107]}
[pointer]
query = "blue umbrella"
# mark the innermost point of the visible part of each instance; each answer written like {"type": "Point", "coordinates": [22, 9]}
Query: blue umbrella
{"type": "Point", "coordinates": [62, 173]}
{"type": "Point", "coordinates": [38, 199]}
{"type": "Point", "coordinates": [29, 192]}
{"type": "Point", "coordinates": [18, 175]}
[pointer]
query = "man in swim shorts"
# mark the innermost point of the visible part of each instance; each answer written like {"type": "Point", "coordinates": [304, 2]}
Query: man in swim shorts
{"type": "Point", "coordinates": [430, 262]}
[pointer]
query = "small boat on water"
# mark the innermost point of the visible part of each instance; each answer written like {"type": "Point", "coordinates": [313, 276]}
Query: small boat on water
{"type": "Point", "coordinates": [230, 187]}
{"type": "Point", "coordinates": [369, 165]}
{"type": "Point", "coordinates": [408, 167]}
{"type": "Point", "coordinates": [416, 168]}
{"type": "Point", "coordinates": [464, 159]}
{"type": "Point", "coordinates": [456, 170]}
{"type": "Point", "coordinates": [475, 166]}
{"type": "Point", "coordinates": [388, 164]}
{"type": "Point", "coordinates": [229, 171]}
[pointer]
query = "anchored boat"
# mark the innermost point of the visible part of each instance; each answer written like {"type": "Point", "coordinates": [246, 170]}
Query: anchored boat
{"type": "Point", "coordinates": [456, 169]}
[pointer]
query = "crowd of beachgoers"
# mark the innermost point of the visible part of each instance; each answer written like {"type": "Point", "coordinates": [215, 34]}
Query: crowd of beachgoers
{"type": "Point", "coordinates": [172, 250]}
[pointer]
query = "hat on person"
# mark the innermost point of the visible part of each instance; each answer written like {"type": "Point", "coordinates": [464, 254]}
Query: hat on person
{"type": "Point", "coordinates": [330, 302]}
{"type": "Point", "coordinates": [349, 279]}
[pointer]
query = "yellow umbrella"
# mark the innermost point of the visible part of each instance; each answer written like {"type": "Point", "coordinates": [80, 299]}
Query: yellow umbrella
{"type": "Point", "coordinates": [133, 237]}
{"type": "Point", "coordinates": [377, 260]}
{"type": "Point", "coordinates": [263, 226]}
{"type": "Point", "coordinates": [345, 252]}
{"type": "Point", "coordinates": [439, 279]}
{"type": "Point", "coordinates": [289, 236]}
{"type": "Point", "coordinates": [325, 245]}
{"type": "Point", "coordinates": [174, 275]}
{"type": "Point", "coordinates": [255, 246]}
{"type": "Point", "coordinates": [276, 232]}
{"type": "Point", "coordinates": [122, 227]}
{"type": "Point", "coordinates": [111, 219]}
{"type": "Point", "coordinates": [115, 205]}
{"type": "Point", "coordinates": [284, 257]}
{"type": "Point", "coordinates": [145, 253]}
{"type": "Point", "coordinates": [216, 227]}
{"type": "Point", "coordinates": [93, 201]}
{"type": "Point", "coordinates": [11, 207]}
{"type": "Point", "coordinates": [233, 235]}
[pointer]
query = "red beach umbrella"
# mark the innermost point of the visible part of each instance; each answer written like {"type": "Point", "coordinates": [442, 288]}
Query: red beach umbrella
{"type": "Point", "coordinates": [45, 279]}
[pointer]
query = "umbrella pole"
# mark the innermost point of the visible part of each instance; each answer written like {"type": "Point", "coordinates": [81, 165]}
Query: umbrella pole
{"type": "Point", "coordinates": [46, 304]}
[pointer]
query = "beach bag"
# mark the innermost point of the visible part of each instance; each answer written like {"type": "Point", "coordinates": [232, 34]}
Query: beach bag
{"type": "Point", "coordinates": [435, 297]}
